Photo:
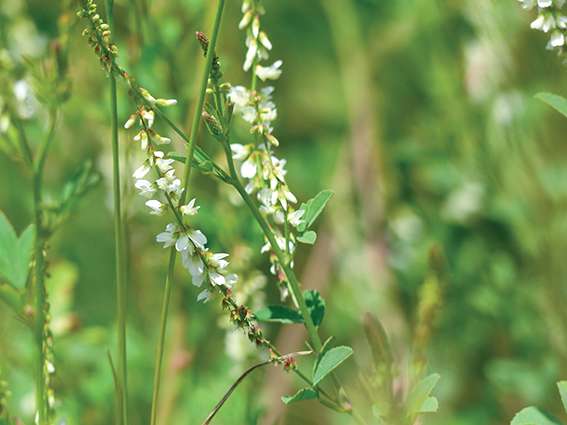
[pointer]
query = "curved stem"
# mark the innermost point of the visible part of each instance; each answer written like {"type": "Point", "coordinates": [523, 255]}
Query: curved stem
{"type": "Point", "coordinates": [191, 142]}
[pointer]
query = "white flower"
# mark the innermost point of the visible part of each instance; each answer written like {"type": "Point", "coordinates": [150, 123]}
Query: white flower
{"type": "Point", "coordinates": [141, 171]}
{"type": "Point", "coordinates": [164, 165]}
{"type": "Point", "coordinates": [239, 152]}
{"type": "Point", "coordinates": [218, 261]}
{"type": "Point", "coordinates": [544, 22]}
{"type": "Point", "coordinates": [271, 72]}
{"type": "Point", "coordinates": [198, 238]}
{"type": "Point", "coordinates": [146, 95]}
{"type": "Point", "coordinates": [160, 140]}
{"type": "Point", "coordinates": [168, 237]}
{"type": "Point", "coordinates": [248, 168]}
{"type": "Point", "coordinates": [256, 27]}
{"type": "Point", "coordinates": [217, 279]}
{"type": "Point", "coordinates": [557, 39]}
{"type": "Point", "coordinates": [155, 206]}
{"type": "Point", "coordinates": [145, 188]}
{"type": "Point", "coordinates": [204, 296]}
{"type": "Point", "coordinates": [544, 3]}
{"type": "Point", "coordinates": [265, 40]}
{"type": "Point", "coordinates": [182, 243]}
{"type": "Point", "coordinates": [130, 122]}
{"type": "Point", "coordinates": [250, 54]}
{"type": "Point", "coordinates": [190, 208]}
{"type": "Point", "coordinates": [246, 19]}
{"type": "Point", "coordinates": [239, 95]}
{"type": "Point", "coordinates": [230, 280]}
{"type": "Point", "coordinates": [166, 102]}
{"type": "Point", "coordinates": [142, 137]}
{"type": "Point", "coordinates": [295, 217]}
{"type": "Point", "coordinates": [148, 116]}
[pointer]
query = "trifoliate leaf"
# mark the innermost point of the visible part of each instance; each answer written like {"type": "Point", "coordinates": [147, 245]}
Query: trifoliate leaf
{"type": "Point", "coordinates": [278, 313]}
{"type": "Point", "coordinates": [420, 393]}
{"type": "Point", "coordinates": [315, 305]}
{"type": "Point", "coordinates": [15, 253]}
{"type": "Point", "coordinates": [313, 208]}
{"type": "Point", "coordinates": [556, 102]}
{"type": "Point", "coordinates": [329, 361]}
{"type": "Point", "coordinates": [303, 394]}
{"type": "Point", "coordinates": [430, 405]}
{"type": "Point", "coordinates": [531, 416]}
{"type": "Point", "coordinates": [308, 237]}
{"type": "Point", "coordinates": [562, 385]}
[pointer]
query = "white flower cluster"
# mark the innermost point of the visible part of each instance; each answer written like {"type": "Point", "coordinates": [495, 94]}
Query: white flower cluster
{"type": "Point", "coordinates": [262, 170]}
{"type": "Point", "coordinates": [549, 20]}
{"type": "Point", "coordinates": [165, 193]}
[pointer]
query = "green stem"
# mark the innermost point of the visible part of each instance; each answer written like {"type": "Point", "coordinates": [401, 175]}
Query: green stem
{"type": "Point", "coordinates": [121, 284]}
{"type": "Point", "coordinates": [294, 285]}
{"type": "Point", "coordinates": [41, 235]}
{"type": "Point", "coordinates": [188, 166]}
{"type": "Point", "coordinates": [163, 328]}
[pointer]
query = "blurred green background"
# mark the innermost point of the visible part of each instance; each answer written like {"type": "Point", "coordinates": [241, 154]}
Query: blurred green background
{"type": "Point", "coordinates": [419, 114]}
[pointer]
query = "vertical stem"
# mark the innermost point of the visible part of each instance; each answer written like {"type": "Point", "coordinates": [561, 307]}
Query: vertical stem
{"type": "Point", "coordinates": [39, 269]}
{"type": "Point", "coordinates": [294, 285]}
{"type": "Point", "coordinates": [190, 148]}
{"type": "Point", "coordinates": [121, 289]}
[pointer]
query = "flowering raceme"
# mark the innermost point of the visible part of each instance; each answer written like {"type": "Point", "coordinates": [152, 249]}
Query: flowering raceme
{"type": "Point", "coordinates": [549, 20]}
{"type": "Point", "coordinates": [165, 193]}
{"type": "Point", "coordinates": [263, 172]}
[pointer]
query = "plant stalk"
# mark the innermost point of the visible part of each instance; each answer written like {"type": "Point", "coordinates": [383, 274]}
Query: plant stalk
{"type": "Point", "coordinates": [188, 166]}
{"type": "Point", "coordinates": [121, 284]}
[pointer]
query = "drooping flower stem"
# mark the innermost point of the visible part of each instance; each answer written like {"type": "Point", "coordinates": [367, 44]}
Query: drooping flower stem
{"type": "Point", "coordinates": [121, 284]}
{"type": "Point", "coordinates": [187, 175]}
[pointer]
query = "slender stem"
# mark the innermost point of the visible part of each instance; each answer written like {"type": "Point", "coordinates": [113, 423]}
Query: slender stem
{"type": "Point", "coordinates": [201, 99]}
{"type": "Point", "coordinates": [188, 166]}
{"type": "Point", "coordinates": [121, 284]}
{"type": "Point", "coordinates": [161, 342]}
{"type": "Point", "coordinates": [294, 285]}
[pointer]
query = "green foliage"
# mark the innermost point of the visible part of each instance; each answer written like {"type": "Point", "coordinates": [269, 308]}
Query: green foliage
{"type": "Point", "coordinates": [316, 305]}
{"type": "Point", "coordinates": [278, 313]}
{"type": "Point", "coordinates": [301, 395]}
{"type": "Point", "coordinates": [313, 208]}
{"type": "Point", "coordinates": [329, 360]}
{"type": "Point", "coordinates": [562, 386]}
{"type": "Point", "coordinates": [531, 416]}
{"type": "Point", "coordinates": [309, 237]}
{"type": "Point", "coordinates": [556, 102]}
{"type": "Point", "coordinates": [420, 399]}
{"type": "Point", "coordinates": [15, 253]}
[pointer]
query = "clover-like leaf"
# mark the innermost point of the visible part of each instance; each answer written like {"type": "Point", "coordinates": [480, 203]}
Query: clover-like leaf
{"type": "Point", "coordinates": [278, 313]}
{"type": "Point", "coordinates": [418, 398]}
{"type": "Point", "coordinates": [562, 386]}
{"type": "Point", "coordinates": [301, 395]}
{"type": "Point", "coordinates": [308, 237]}
{"type": "Point", "coordinates": [313, 208]}
{"type": "Point", "coordinates": [329, 361]}
{"type": "Point", "coordinates": [556, 102]}
{"type": "Point", "coordinates": [15, 253]}
{"type": "Point", "coordinates": [316, 305]}
{"type": "Point", "coordinates": [531, 416]}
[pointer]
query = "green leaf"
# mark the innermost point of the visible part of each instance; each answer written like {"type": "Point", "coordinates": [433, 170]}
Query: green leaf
{"type": "Point", "coordinates": [329, 361]}
{"type": "Point", "coordinates": [15, 253]}
{"type": "Point", "coordinates": [430, 405]}
{"type": "Point", "coordinates": [308, 237]}
{"type": "Point", "coordinates": [531, 416]}
{"type": "Point", "coordinates": [562, 385]}
{"type": "Point", "coordinates": [316, 305]}
{"type": "Point", "coordinates": [313, 208]}
{"type": "Point", "coordinates": [556, 102]}
{"type": "Point", "coordinates": [303, 394]}
{"type": "Point", "coordinates": [420, 393]}
{"type": "Point", "coordinates": [278, 313]}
